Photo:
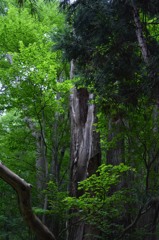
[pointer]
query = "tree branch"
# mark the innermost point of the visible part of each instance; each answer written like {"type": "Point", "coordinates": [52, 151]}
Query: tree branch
{"type": "Point", "coordinates": [132, 224]}
{"type": "Point", "coordinates": [23, 191]}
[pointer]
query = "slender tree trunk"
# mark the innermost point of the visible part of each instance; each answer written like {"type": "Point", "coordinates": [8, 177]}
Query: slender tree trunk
{"type": "Point", "coordinates": [41, 160]}
{"type": "Point", "coordinates": [148, 220]}
{"type": "Point", "coordinates": [140, 35]}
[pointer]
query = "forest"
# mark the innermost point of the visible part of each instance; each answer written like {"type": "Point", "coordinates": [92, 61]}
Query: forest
{"type": "Point", "coordinates": [79, 120]}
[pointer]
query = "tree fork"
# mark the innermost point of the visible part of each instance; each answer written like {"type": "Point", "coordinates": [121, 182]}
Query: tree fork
{"type": "Point", "coordinates": [23, 191]}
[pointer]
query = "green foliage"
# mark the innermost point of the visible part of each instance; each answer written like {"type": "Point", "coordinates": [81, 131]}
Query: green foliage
{"type": "Point", "coordinates": [15, 28]}
{"type": "Point", "coordinates": [101, 50]}
{"type": "Point", "coordinates": [99, 204]}
{"type": "Point", "coordinates": [16, 143]}
{"type": "Point", "coordinates": [36, 69]}
{"type": "Point", "coordinates": [55, 198]}
{"type": "Point", "coordinates": [104, 44]}
{"type": "Point", "coordinates": [101, 38]}
{"type": "Point", "coordinates": [32, 87]}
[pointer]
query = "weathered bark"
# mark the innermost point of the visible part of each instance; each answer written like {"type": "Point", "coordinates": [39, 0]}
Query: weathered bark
{"type": "Point", "coordinates": [142, 42]}
{"type": "Point", "coordinates": [139, 33]}
{"type": "Point", "coordinates": [85, 152]}
{"type": "Point", "coordinates": [23, 191]}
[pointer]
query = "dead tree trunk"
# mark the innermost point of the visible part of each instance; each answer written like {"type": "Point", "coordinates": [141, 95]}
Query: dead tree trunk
{"type": "Point", "coordinates": [85, 152]}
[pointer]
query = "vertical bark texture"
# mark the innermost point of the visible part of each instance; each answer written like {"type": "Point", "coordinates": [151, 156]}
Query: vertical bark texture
{"type": "Point", "coordinates": [85, 152]}
{"type": "Point", "coordinates": [139, 33]}
{"type": "Point", "coordinates": [84, 148]}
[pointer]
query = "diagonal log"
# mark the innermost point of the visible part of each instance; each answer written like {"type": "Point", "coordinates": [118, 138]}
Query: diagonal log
{"type": "Point", "coordinates": [23, 191]}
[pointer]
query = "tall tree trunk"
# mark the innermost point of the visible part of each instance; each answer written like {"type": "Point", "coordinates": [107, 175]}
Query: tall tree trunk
{"type": "Point", "coordinates": [148, 220]}
{"type": "Point", "coordinates": [140, 35]}
{"type": "Point", "coordinates": [85, 152]}
{"type": "Point", "coordinates": [41, 159]}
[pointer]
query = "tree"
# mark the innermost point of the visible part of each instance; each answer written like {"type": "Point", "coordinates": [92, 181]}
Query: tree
{"type": "Point", "coordinates": [85, 150]}
{"type": "Point", "coordinates": [116, 52]}
{"type": "Point", "coordinates": [32, 88]}
{"type": "Point", "coordinates": [113, 50]}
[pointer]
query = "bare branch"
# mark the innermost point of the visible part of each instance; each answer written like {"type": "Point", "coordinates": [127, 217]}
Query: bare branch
{"type": "Point", "coordinates": [23, 191]}
{"type": "Point", "coordinates": [133, 223]}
